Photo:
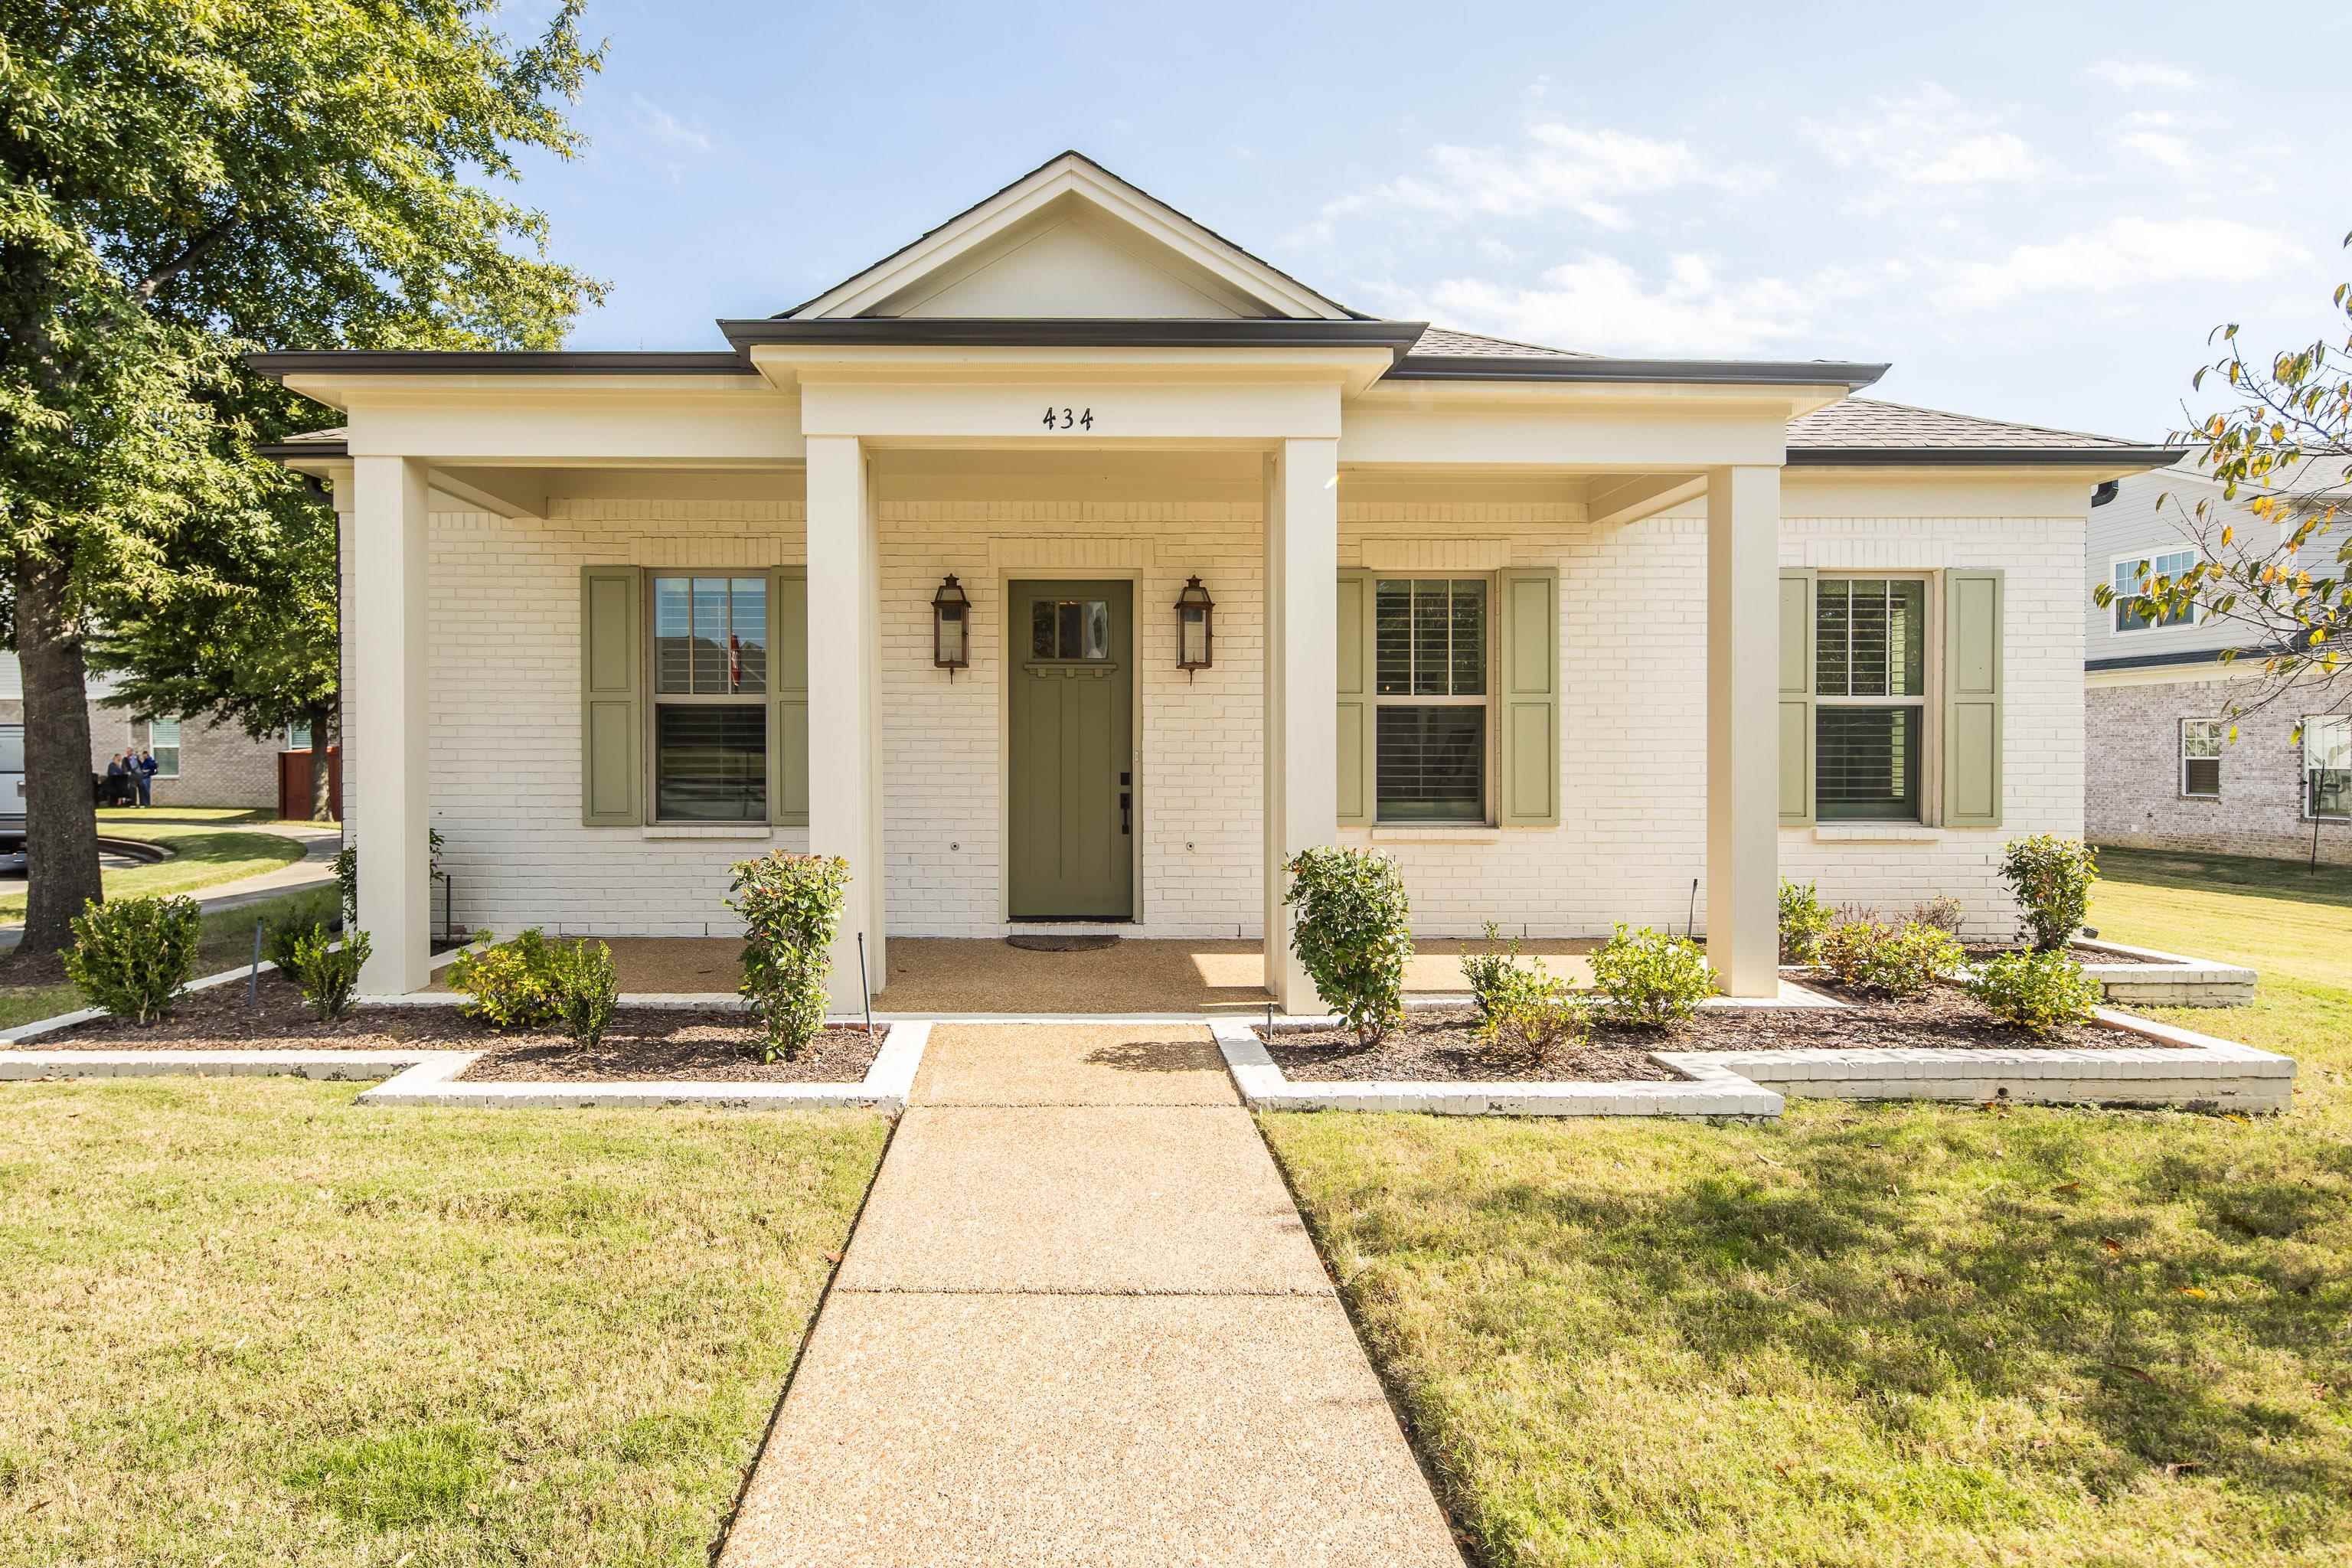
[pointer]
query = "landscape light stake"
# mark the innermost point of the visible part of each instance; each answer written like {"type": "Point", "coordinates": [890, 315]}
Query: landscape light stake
{"type": "Point", "coordinates": [1690, 916]}
{"type": "Point", "coordinates": [253, 981]}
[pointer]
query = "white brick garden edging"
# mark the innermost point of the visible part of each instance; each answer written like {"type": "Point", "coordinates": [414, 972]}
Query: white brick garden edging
{"type": "Point", "coordinates": [2169, 979]}
{"type": "Point", "coordinates": [427, 1075]}
{"type": "Point", "coordinates": [2189, 1070]}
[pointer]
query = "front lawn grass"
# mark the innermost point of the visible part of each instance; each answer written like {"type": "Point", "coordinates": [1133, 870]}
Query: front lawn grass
{"type": "Point", "coordinates": [248, 1322]}
{"type": "Point", "coordinates": [1890, 1335]}
{"type": "Point", "coordinates": [207, 848]}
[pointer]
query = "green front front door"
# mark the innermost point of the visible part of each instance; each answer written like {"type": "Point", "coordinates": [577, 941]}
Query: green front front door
{"type": "Point", "coordinates": [1073, 673]}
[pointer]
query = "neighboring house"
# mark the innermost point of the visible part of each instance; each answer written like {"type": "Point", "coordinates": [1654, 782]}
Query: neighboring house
{"type": "Point", "coordinates": [1566, 634]}
{"type": "Point", "coordinates": [197, 764]}
{"type": "Point", "coordinates": [2162, 772]}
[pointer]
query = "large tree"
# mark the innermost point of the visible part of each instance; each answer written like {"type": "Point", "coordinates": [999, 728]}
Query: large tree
{"type": "Point", "coordinates": [188, 179]}
{"type": "Point", "coordinates": [2280, 446]}
{"type": "Point", "coordinates": [247, 631]}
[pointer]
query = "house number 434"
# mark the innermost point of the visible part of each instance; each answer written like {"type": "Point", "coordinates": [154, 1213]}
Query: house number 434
{"type": "Point", "coordinates": [1067, 419]}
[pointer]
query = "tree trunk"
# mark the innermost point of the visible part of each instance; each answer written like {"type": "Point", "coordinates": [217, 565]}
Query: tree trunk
{"type": "Point", "coordinates": [322, 791]}
{"type": "Point", "coordinates": [60, 813]}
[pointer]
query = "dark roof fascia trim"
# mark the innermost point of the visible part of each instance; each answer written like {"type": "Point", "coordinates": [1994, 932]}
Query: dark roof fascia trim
{"type": "Point", "coordinates": [1712, 371]}
{"type": "Point", "coordinates": [294, 451]}
{"type": "Point", "coordinates": [2167, 660]}
{"type": "Point", "coordinates": [494, 362]}
{"type": "Point", "coordinates": [1979, 457]}
{"type": "Point", "coordinates": [1397, 337]}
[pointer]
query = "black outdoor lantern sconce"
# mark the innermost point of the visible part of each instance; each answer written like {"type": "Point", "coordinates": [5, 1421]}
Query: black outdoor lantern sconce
{"type": "Point", "coordinates": [1195, 627]}
{"type": "Point", "coordinates": [950, 627]}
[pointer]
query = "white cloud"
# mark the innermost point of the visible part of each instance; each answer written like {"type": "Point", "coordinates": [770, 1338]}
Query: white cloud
{"type": "Point", "coordinates": [1559, 168]}
{"type": "Point", "coordinates": [667, 129]}
{"type": "Point", "coordinates": [1928, 137]}
{"type": "Point", "coordinates": [2121, 254]}
{"type": "Point", "coordinates": [2164, 147]}
{"type": "Point", "coordinates": [1600, 303]}
{"type": "Point", "coordinates": [2132, 75]}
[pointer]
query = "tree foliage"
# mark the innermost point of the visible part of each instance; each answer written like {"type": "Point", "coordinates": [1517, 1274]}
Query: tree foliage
{"type": "Point", "coordinates": [2281, 449]}
{"type": "Point", "coordinates": [183, 181]}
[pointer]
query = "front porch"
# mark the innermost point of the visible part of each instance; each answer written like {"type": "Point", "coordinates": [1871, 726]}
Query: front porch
{"type": "Point", "coordinates": [965, 976]}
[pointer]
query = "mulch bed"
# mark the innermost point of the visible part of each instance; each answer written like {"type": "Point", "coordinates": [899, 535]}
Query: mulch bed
{"type": "Point", "coordinates": [710, 1045]}
{"type": "Point", "coordinates": [702, 1048]}
{"type": "Point", "coordinates": [2075, 951]}
{"type": "Point", "coordinates": [1441, 1046]}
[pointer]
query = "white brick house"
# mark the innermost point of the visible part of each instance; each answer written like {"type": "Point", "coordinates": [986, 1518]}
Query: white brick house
{"type": "Point", "coordinates": [1514, 614]}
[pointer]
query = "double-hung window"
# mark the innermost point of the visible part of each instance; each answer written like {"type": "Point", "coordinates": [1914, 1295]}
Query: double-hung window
{"type": "Point", "coordinates": [710, 698]}
{"type": "Point", "coordinates": [163, 741]}
{"type": "Point", "coordinates": [2327, 767]}
{"type": "Point", "coordinates": [2201, 757]}
{"type": "Point", "coordinates": [1870, 682]}
{"type": "Point", "coordinates": [1430, 695]}
{"type": "Point", "coordinates": [2133, 575]}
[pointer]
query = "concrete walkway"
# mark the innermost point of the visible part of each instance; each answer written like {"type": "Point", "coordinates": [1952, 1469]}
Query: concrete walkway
{"type": "Point", "coordinates": [1081, 1321]}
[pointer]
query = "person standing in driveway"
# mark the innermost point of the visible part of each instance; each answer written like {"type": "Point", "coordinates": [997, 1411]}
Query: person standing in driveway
{"type": "Point", "coordinates": [146, 766]}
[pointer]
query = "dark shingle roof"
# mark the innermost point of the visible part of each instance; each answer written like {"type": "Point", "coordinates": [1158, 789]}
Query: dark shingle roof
{"type": "Point", "coordinates": [1866, 422]}
{"type": "Point", "coordinates": [1444, 343]}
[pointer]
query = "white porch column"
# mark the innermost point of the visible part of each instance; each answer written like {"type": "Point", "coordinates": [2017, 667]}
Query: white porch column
{"type": "Point", "coordinates": [1743, 738]}
{"type": "Point", "coordinates": [844, 654]}
{"type": "Point", "coordinates": [1302, 684]}
{"type": "Point", "coordinates": [389, 621]}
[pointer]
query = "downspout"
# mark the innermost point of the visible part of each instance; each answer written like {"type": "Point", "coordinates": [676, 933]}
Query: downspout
{"type": "Point", "coordinates": [2107, 491]}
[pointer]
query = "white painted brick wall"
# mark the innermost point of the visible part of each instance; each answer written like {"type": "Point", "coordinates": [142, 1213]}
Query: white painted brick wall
{"type": "Point", "coordinates": [505, 730]}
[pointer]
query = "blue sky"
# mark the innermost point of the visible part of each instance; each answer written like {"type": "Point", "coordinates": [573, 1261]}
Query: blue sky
{"type": "Point", "coordinates": [2034, 214]}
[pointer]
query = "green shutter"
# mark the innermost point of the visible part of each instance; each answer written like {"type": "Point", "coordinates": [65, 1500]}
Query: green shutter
{"type": "Point", "coordinates": [1972, 656]}
{"type": "Point", "coordinates": [1354, 764]}
{"type": "Point", "coordinates": [612, 697]}
{"type": "Point", "coordinates": [1526, 686]}
{"type": "Point", "coordinates": [1796, 696]}
{"type": "Point", "coordinates": [788, 741]}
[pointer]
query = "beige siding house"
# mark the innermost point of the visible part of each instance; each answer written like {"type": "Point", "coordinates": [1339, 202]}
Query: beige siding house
{"type": "Point", "coordinates": [1579, 640]}
{"type": "Point", "coordinates": [2169, 766]}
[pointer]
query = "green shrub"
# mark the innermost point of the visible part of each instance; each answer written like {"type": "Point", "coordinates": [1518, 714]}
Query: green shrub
{"type": "Point", "coordinates": [1896, 961]}
{"type": "Point", "coordinates": [1652, 978]}
{"type": "Point", "coordinates": [2051, 877]}
{"type": "Point", "coordinates": [791, 906]}
{"type": "Point", "coordinates": [512, 984]}
{"type": "Point", "coordinates": [134, 956]}
{"type": "Point", "coordinates": [1803, 918]}
{"type": "Point", "coordinates": [1353, 934]}
{"type": "Point", "coordinates": [587, 990]}
{"type": "Point", "coordinates": [2036, 990]}
{"type": "Point", "coordinates": [328, 974]}
{"type": "Point", "coordinates": [1485, 971]}
{"type": "Point", "coordinates": [1531, 1015]}
{"type": "Point", "coordinates": [346, 871]}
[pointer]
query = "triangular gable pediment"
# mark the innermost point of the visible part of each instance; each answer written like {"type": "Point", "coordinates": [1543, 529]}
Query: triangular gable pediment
{"type": "Point", "coordinates": [1072, 240]}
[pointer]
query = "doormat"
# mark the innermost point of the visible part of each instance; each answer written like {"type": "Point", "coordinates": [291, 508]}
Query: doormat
{"type": "Point", "coordinates": [1061, 943]}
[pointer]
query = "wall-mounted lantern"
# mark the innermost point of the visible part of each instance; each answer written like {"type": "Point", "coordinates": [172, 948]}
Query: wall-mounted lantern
{"type": "Point", "coordinates": [951, 627]}
{"type": "Point", "coordinates": [1195, 627]}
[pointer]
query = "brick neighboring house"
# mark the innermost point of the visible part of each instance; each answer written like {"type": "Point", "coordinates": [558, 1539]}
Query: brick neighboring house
{"type": "Point", "coordinates": [201, 764]}
{"type": "Point", "coordinates": [2159, 771]}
